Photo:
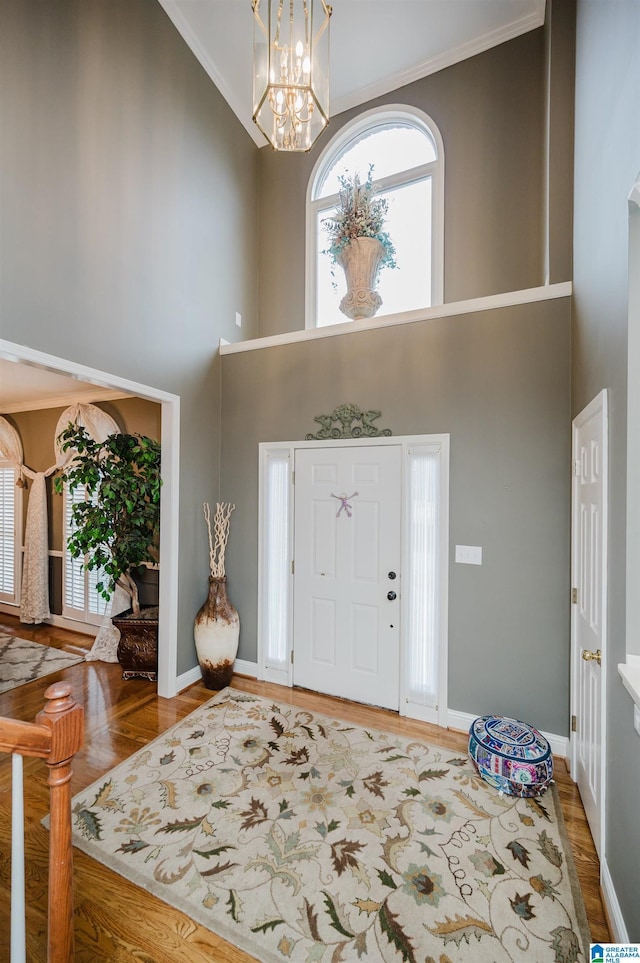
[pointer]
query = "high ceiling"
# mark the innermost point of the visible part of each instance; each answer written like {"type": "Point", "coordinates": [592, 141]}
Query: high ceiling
{"type": "Point", "coordinates": [376, 45]}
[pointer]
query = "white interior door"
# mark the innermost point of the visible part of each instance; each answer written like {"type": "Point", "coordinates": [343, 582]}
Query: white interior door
{"type": "Point", "coordinates": [589, 621]}
{"type": "Point", "coordinates": [347, 541]}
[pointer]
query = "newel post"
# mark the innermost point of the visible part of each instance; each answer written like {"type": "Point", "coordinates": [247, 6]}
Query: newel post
{"type": "Point", "coordinates": [65, 719]}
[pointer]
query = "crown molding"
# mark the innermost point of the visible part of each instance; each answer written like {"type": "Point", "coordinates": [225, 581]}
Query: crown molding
{"type": "Point", "coordinates": [431, 66]}
{"type": "Point", "coordinates": [362, 95]}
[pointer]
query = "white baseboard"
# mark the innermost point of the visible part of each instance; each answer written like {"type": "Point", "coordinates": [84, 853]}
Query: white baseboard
{"type": "Point", "coordinates": [612, 906]}
{"type": "Point", "coordinates": [188, 678]}
{"type": "Point", "coordinates": [241, 666]}
{"type": "Point", "coordinates": [56, 620]}
{"type": "Point", "coordinates": [462, 720]}
{"type": "Point", "coordinates": [61, 623]}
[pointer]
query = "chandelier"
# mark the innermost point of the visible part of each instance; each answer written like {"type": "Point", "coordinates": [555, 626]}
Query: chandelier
{"type": "Point", "coordinates": [291, 71]}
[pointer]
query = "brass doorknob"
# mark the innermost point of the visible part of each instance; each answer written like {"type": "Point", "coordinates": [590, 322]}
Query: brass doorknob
{"type": "Point", "coordinates": [592, 656]}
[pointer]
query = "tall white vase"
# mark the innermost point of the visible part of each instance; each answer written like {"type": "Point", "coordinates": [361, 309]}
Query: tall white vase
{"type": "Point", "coordinates": [360, 259]}
{"type": "Point", "coordinates": [216, 632]}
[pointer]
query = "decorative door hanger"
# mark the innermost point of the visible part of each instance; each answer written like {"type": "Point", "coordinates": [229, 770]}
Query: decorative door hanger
{"type": "Point", "coordinates": [344, 503]}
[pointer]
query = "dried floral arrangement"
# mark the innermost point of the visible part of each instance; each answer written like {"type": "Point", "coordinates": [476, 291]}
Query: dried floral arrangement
{"type": "Point", "coordinates": [218, 540]}
{"type": "Point", "coordinates": [359, 214]}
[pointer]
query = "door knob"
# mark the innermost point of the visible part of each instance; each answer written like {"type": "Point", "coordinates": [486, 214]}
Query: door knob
{"type": "Point", "coordinates": [391, 596]}
{"type": "Point", "coordinates": [592, 656]}
{"type": "Point", "coordinates": [392, 575]}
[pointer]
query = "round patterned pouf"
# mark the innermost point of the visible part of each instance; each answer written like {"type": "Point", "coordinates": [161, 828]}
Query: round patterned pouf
{"type": "Point", "coordinates": [510, 755]}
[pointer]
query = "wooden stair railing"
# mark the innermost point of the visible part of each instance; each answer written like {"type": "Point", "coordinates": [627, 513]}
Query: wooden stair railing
{"type": "Point", "coordinates": [56, 736]}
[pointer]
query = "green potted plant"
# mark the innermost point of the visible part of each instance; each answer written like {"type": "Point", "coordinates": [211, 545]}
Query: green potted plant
{"type": "Point", "coordinates": [359, 243]}
{"type": "Point", "coordinates": [116, 528]}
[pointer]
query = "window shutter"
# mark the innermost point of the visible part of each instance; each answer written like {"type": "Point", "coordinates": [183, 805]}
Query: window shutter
{"type": "Point", "coordinates": [95, 603]}
{"type": "Point", "coordinates": [74, 590]}
{"type": "Point", "coordinates": [81, 599]}
{"type": "Point", "coordinates": [7, 533]}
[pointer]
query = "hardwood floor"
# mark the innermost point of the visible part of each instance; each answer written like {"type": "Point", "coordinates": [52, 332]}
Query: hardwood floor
{"type": "Point", "coordinates": [114, 920]}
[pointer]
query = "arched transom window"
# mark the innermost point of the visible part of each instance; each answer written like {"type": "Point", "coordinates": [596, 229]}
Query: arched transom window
{"type": "Point", "coordinates": [403, 149]}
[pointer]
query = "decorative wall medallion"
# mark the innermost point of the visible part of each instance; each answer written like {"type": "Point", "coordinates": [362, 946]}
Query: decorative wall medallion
{"type": "Point", "coordinates": [345, 416]}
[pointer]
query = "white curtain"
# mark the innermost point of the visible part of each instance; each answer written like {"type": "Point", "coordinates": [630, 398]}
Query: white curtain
{"type": "Point", "coordinates": [34, 596]}
{"type": "Point", "coordinates": [34, 592]}
{"type": "Point", "coordinates": [97, 423]}
{"type": "Point", "coordinates": [105, 647]}
{"type": "Point", "coordinates": [10, 444]}
{"type": "Point", "coordinates": [35, 574]}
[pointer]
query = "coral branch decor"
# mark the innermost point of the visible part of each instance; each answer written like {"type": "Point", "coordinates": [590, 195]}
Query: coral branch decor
{"type": "Point", "coordinates": [301, 837]}
{"type": "Point", "coordinates": [218, 548]}
{"type": "Point", "coordinates": [217, 624]}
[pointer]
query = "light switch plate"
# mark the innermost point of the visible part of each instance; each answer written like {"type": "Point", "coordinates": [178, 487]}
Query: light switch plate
{"type": "Point", "coordinates": [469, 554]}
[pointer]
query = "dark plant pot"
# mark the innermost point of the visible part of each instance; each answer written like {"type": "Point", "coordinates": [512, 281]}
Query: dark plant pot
{"type": "Point", "coordinates": [147, 580]}
{"type": "Point", "coordinates": [138, 646]}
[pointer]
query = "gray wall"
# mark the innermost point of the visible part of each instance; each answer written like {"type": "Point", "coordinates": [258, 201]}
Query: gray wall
{"type": "Point", "coordinates": [498, 382]}
{"type": "Point", "coordinates": [607, 150]}
{"type": "Point", "coordinates": [490, 111]}
{"type": "Point", "coordinates": [127, 191]}
{"type": "Point", "coordinates": [559, 32]}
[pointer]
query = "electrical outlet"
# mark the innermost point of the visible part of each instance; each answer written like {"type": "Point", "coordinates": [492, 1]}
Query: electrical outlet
{"type": "Point", "coordinates": [238, 319]}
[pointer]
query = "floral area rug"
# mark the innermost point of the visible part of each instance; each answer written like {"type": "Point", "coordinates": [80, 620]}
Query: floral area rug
{"type": "Point", "coordinates": [22, 661]}
{"type": "Point", "coordinates": [300, 837]}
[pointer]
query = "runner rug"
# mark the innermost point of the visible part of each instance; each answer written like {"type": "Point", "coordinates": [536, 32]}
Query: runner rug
{"type": "Point", "coordinates": [22, 661]}
{"type": "Point", "coordinates": [300, 837]}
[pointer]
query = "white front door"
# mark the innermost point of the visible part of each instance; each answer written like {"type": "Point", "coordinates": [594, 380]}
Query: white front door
{"type": "Point", "coordinates": [347, 538]}
{"type": "Point", "coordinates": [589, 608]}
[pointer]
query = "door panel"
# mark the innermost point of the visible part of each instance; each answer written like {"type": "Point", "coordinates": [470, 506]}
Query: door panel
{"type": "Point", "coordinates": [347, 539]}
{"type": "Point", "coordinates": [323, 540]}
{"type": "Point", "coordinates": [364, 632]}
{"type": "Point", "coordinates": [366, 563]}
{"type": "Point", "coordinates": [323, 632]}
{"type": "Point", "coordinates": [589, 610]}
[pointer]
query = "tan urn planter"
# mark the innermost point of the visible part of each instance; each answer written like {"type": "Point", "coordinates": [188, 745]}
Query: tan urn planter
{"type": "Point", "coordinates": [216, 632]}
{"type": "Point", "coordinates": [360, 259]}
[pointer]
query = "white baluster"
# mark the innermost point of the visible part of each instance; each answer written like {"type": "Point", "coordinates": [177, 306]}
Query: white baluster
{"type": "Point", "coordinates": [18, 942]}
